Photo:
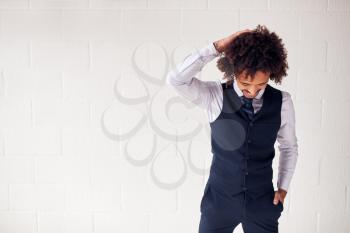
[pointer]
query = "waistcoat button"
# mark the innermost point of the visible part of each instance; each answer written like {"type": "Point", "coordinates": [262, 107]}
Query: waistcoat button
{"type": "Point", "coordinates": [251, 124]}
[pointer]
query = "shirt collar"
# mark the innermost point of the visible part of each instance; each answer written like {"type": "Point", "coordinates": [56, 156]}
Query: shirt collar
{"type": "Point", "coordinates": [240, 93]}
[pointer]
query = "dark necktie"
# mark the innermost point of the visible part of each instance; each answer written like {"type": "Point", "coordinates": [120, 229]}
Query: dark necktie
{"type": "Point", "coordinates": [247, 106]}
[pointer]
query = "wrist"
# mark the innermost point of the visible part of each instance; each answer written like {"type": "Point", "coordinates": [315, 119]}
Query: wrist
{"type": "Point", "coordinates": [282, 190]}
{"type": "Point", "coordinates": [218, 46]}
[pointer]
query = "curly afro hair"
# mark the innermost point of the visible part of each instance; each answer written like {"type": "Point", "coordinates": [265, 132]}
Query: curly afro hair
{"type": "Point", "coordinates": [256, 50]}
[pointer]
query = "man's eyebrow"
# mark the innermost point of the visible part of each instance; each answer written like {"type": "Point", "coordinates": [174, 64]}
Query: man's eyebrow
{"type": "Point", "coordinates": [264, 82]}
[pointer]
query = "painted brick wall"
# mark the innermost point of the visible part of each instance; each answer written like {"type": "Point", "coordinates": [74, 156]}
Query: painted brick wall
{"type": "Point", "coordinates": [93, 141]}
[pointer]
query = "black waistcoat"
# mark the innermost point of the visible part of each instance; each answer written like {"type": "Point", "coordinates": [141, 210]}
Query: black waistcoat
{"type": "Point", "coordinates": [243, 149]}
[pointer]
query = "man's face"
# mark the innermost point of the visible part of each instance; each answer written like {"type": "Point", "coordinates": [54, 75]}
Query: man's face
{"type": "Point", "coordinates": [251, 87]}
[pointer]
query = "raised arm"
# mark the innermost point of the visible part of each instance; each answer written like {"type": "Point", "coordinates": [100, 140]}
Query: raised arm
{"type": "Point", "coordinates": [183, 76]}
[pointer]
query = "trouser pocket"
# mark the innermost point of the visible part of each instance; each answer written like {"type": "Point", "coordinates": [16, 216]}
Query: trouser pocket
{"type": "Point", "coordinates": [204, 204]}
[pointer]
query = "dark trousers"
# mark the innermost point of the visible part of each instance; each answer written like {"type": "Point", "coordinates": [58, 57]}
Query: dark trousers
{"type": "Point", "coordinates": [221, 213]}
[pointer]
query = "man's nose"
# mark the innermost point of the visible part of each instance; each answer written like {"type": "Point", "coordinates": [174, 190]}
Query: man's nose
{"type": "Point", "coordinates": [253, 91]}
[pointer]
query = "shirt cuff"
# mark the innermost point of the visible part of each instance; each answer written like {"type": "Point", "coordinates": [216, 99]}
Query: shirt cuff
{"type": "Point", "coordinates": [283, 183]}
{"type": "Point", "coordinates": [212, 49]}
{"type": "Point", "coordinates": [208, 50]}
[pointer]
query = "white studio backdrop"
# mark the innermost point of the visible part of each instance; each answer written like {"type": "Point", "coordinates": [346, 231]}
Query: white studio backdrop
{"type": "Point", "coordinates": [92, 140]}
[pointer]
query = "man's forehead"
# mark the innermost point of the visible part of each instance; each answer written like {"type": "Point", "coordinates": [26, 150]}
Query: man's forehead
{"type": "Point", "coordinates": [260, 77]}
{"type": "Point", "coordinates": [253, 80]}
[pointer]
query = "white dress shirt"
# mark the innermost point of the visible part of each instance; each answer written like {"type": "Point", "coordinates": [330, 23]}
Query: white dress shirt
{"type": "Point", "coordinates": [209, 96]}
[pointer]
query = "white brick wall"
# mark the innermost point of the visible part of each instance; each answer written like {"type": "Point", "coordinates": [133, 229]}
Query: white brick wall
{"type": "Point", "coordinates": [76, 73]}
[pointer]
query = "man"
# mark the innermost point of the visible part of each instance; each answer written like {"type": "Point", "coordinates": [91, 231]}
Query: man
{"type": "Point", "coordinates": [246, 117]}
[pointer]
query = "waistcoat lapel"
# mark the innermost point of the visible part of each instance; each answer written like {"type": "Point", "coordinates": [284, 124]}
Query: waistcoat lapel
{"type": "Point", "coordinates": [233, 102]}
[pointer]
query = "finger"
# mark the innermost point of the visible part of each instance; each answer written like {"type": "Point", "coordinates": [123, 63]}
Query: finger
{"type": "Point", "coordinates": [247, 30]}
{"type": "Point", "coordinates": [276, 198]}
{"type": "Point", "coordinates": [243, 31]}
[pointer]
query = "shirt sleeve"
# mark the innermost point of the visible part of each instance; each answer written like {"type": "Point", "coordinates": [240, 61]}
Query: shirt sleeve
{"type": "Point", "coordinates": [183, 77]}
{"type": "Point", "coordinates": [288, 145]}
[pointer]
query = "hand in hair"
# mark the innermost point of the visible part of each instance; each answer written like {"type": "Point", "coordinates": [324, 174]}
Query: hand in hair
{"type": "Point", "coordinates": [259, 50]}
{"type": "Point", "coordinates": [222, 44]}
